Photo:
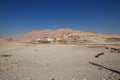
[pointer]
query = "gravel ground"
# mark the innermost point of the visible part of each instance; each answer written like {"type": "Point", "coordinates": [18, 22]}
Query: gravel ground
{"type": "Point", "coordinates": [58, 62]}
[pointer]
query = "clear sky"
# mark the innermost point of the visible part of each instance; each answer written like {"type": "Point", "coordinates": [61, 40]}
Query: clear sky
{"type": "Point", "coordinates": [21, 16]}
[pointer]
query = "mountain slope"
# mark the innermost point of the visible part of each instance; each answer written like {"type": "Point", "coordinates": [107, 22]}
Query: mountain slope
{"type": "Point", "coordinates": [84, 37]}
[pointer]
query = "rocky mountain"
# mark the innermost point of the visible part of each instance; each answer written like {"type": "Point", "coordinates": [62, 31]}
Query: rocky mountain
{"type": "Point", "coordinates": [83, 37]}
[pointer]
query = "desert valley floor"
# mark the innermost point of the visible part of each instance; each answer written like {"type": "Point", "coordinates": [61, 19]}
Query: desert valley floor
{"type": "Point", "coordinates": [59, 62]}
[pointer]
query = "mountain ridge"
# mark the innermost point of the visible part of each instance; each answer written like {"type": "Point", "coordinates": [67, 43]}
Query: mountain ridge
{"type": "Point", "coordinates": [83, 36]}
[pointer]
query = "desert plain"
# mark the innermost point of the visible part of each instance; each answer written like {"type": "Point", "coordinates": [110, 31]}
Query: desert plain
{"type": "Point", "coordinates": [59, 62]}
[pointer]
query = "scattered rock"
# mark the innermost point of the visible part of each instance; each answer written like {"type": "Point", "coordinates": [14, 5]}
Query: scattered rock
{"type": "Point", "coordinates": [5, 55]}
{"type": "Point", "coordinates": [99, 54]}
{"type": "Point", "coordinates": [106, 48]}
{"type": "Point", "coordinates": [116, 50]}
{"type": "Point", "coordinates": [111, 51]}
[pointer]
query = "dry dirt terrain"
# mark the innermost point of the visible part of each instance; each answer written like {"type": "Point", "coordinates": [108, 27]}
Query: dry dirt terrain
{"type": "Point", "coordinates": [59, 62]}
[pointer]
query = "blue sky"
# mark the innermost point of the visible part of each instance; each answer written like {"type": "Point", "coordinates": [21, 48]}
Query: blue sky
{"type": "Point", "coordinates": [21, 16]}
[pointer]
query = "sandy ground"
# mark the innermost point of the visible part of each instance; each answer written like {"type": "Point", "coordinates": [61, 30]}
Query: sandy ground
{"type": "Point", "coordinates": [58, 62]}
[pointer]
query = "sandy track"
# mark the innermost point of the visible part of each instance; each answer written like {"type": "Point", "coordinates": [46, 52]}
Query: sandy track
{"type": "Point", "coordinates": [57, 62]}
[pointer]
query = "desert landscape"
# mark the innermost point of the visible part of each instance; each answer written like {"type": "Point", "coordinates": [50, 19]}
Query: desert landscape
{"type": "Point", "coordinates": [59, 39]}
{"type": "Point", "coordinates": [80, 56]}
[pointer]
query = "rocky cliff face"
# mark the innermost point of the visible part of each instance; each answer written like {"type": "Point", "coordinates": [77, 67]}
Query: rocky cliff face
{"type": "Point", "coordinates": [83, 37]}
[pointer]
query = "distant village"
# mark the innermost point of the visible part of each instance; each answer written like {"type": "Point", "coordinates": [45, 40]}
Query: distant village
{"type": "Point", "coordinates": [60, 38]}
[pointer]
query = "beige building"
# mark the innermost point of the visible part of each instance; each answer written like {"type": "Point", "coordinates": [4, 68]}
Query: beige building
{"type": "Point", "coordinates": [47, 39]}
{"type": "Point", "coordinates": [63, 37]}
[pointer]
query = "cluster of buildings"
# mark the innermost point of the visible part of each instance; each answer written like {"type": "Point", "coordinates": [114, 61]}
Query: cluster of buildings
{"type": "Point", "coordinates": [60, 38]}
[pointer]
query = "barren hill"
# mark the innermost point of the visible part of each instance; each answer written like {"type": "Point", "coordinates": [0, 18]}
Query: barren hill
{"type": "Point", "coordinates": [84, 37]}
